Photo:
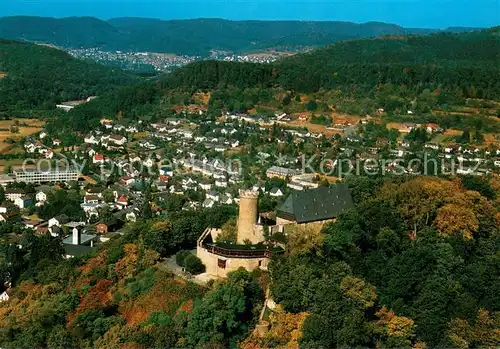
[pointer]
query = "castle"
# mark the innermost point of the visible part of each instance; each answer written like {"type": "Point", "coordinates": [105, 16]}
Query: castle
{"type": "Point", "coordinates": [313, 206]}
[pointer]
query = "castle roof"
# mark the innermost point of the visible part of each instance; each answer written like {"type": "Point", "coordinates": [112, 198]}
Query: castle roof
{"type": "Point", "coordinates": [316, 204]}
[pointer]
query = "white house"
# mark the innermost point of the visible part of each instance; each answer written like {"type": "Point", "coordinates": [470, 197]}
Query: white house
{"type": "Point", "coordinates": [148, 162]}
{"type": "Point", "coordinates": [221, 183]}
{"type": "Point", "coordinates": [91, 140]}
{"type": "Point", "coordinates": [14, 193]}
{"type": "Point", "coordinates": [58, 221]}
{"type": "Point", "coordinates": [132, 129]}
{"type": "Point", "coordinates": [117, 140]}
{"type": "Point", "coordinates": [41, 196]}
{"type": "Point", "coordinates": [206, 185]}
{"type": "Point", "coordinates": [4, 297]}
{"type": "Point", "coordinates": [23, 202]}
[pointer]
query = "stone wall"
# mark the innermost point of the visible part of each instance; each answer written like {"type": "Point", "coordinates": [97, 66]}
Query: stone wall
{"type": "Point", "coordinates": [211, 262]}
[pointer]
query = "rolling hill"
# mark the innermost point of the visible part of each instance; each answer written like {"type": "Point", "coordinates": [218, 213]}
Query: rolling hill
{"type": "Point", "coordinates": [38, 77]}
{"type": "Point", "coordinates": [190, 37]}
{"type": "Point", "coordinates": [393, 71]}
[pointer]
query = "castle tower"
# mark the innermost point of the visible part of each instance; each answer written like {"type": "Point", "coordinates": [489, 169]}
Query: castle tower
{"type": "Point", "coordinates": [247, 218]}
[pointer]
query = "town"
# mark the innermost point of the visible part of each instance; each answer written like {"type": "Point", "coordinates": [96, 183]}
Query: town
{"type": "Point", "coordinates": [163, 62]}
{"type": "Point", "coordinates": [117, 168]}
{"type": "Point", "coordinates": [249, 189]}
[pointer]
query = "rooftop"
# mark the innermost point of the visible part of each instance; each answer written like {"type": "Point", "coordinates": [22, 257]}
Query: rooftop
{"type": "Point", "coordinates": [316, 204]}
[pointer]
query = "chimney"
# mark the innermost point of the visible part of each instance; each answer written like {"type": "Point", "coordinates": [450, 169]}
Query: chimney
{"type": "Point", "coordinates": [76, 236]}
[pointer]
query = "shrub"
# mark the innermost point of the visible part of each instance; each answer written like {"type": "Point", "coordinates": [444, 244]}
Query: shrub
{"type": "Point", "coordinates": [180, 257]}
{"type": "Point", "coordinates": [193, 265]}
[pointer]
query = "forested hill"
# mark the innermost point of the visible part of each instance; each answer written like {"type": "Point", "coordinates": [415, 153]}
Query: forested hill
{"type": "Point", "coordinates": [453, 66]}
{"type": "Point", "coordinates": [467, 59]}
{"type": "Point", "coordinates": [191, 37]}
{"type": "Point", "coordinates": [39, 77]}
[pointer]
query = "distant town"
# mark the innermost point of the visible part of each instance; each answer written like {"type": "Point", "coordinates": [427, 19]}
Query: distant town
{"type": "Point", "coordinates": [164, 62]}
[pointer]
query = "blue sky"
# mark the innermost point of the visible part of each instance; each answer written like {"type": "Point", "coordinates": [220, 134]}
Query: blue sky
{"type": "Point", "coordinates": [408, 13]}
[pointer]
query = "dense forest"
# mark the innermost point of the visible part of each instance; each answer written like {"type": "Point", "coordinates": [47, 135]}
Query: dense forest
{"type": "Point", "coordinates": [191, 37]}
{"type": "Point", "coordinates": [39, 77]}
{"type": "Point", "coordinates": [412, 265]}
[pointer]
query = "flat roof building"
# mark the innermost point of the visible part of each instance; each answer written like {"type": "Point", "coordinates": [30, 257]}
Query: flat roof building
{"type": "Point", "coordinates": [45, 176]}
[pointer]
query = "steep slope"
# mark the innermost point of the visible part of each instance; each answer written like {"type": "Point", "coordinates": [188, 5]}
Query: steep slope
{"type": "Point", "coordinates": [192, 37]}
{"type": "Point", "coordinates": [38, 77]}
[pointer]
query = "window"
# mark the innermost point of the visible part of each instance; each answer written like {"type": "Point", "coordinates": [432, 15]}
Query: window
{"type": "Point", "coordinates": [221, 263]}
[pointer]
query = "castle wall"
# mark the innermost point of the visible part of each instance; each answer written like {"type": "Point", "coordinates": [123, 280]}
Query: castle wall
{"type": "Point", "coordinates": [211, 262]}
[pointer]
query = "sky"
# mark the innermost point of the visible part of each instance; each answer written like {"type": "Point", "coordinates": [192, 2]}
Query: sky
{"type": "Point", "coordinates": [407, 13]}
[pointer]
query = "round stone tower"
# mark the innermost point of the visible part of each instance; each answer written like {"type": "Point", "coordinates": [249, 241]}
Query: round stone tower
{"type": "Point", "coordinates": [247, 218]}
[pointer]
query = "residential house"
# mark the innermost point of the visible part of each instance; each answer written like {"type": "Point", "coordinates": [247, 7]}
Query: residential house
{"type": "Point", "coordinates": [148, 162]}
{"type": "Point", "coordinates": [8, 211]}
{"type": "Point", "coordinates": [433, 146]}
{"type": "Point", "coordinates": [4, 297]}
{"type": "Point", "coordinates": [14, 193]}
{"type": "Point", "coordinates": [98, 159]}
{"type": "Point", "coordinates": [91, 140]}
{"type": "Point", "coordinates": [101, 228]}
{"type": "Point", "coordinates": [161, 185]}
{"type": "Point", "coordinates": [23, 202]}
{"type": "Point", "coordinates": [95, 191]}
{"type": "Point", "coordinates": [41, 196]}
{"type": "Point", "coordinates": [118, 127]}
{"type": "Point", "coordinates": [173, 121]}
{"type": "Point", "coordinates": [221, 183]}
{"type": "Point", "coordinates": [78, 243]}
{"type": "Point", "coordinates": [127, 180]}
{"type": "Point", "coordinates": [132, 129]}
{"type": "Point", "coordinates": [91, 199]}
{"type": "Point", "coordinates": [206, 185]}
{"type": "Point", "coordinates": [117, 140]}
{"type": "Point", "coordinates": [58, 221]}
{"type": "Point", "coordinates": [281, 172]}
{"type": "Point", "coordinates": [432, 128]}
{"type": "Point", "coordinates": [49, 154]}
{"type": "Point", "coordinates": [122, 202]}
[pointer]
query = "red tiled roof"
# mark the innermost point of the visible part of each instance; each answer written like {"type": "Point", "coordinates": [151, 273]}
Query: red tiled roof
{"type": "Point", "coordinates": [122, 199]}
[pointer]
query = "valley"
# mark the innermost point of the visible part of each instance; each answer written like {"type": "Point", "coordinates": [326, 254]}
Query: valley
{"type": "Point", "coordinates": [243, 187]}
